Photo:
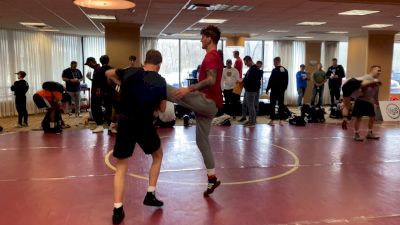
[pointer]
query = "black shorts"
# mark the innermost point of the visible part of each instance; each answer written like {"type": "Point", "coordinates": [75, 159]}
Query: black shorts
{"type": "Point", "coordinates": [351, 86]}
{"type": "Point", "coordinates": [363, 108]}
{"type": "Point", "coordinates": [130, 132]}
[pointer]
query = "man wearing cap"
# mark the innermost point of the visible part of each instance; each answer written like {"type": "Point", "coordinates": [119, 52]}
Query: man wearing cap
{"type": "Point", "coordinates": [96, 93]}
{"type": "Point", "coordinates": [103, 94]}
{"type": "Point", "coordinates": [301, 81]}
{"type": "Point", "coordinates": [20, 88]}
{"type": "Point", "coordinates": [72, 77]}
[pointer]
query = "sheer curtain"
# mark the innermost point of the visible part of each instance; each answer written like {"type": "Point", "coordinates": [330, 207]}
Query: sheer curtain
{"type": "Point", "coordinates": [147, 43]}
{"type": "Point", "coordinates": [43, 56]}
{"type": "Point", "coordinates": [329, 50]}
{"type": "Point", "coordinates": [92, 47]}
{"type": "Point", "coordinates": [292, 54]}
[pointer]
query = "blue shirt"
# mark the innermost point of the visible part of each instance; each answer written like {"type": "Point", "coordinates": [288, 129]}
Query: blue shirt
{"type": "Point", "coordinates": [299, 79]}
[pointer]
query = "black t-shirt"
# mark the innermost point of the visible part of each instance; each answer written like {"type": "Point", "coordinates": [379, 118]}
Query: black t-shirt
{"type": "Point", "coordinates": [337, 70]}
{"type": "Point", "coordinates": [20, 88]}
{"type": "Point", "coordinates": [252, 79]}
{"type": "Point", "coordinates": [72, 74]}
{"type": "Point", "coordinates": [100, 79]}
{"type": "Point", "coordinates": [141, 94]}
{"type": "Point", "coordinates": [278, 80]}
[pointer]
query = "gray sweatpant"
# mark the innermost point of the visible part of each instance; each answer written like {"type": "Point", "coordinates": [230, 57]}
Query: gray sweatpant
{"type": "Point", "coordinates": [204, 110]}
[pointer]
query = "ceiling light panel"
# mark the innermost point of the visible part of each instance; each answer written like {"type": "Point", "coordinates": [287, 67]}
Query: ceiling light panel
{"type": "Point", "coordinates": [309, 23]}
{"type": "Point", "coordinates": [377, 26]}
{"type": "Point", "coordinates": [214, 21]}
{"type": "Point", "coordinates": [101, 17]}
{"type": "Point", "coordinates": [358, 12]}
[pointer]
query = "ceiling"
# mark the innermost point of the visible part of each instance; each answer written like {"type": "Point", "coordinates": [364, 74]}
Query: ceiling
{"type": "Point", "coordinates": [168, 18]}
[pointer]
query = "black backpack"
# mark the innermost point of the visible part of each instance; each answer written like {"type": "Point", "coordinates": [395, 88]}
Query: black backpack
{"type": "Point", "coordinates": [316, 115]}
{"type": "Point", "coordinates": [52, 126]}
{"type": "Point", "coordinates": [298, 121]}
{"type": "Point", "coordinates": [336, 113]}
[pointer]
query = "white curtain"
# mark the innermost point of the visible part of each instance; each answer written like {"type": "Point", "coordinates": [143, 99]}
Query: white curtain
{"type": "Point", "coordinates": [92, 47]}
{"type": "Point", "coordinates": [43, 56]}
{"type": "Point", "coordinates": [292, 54]}
{"type": "Point", "coordinates": [147, 43]}
{"type": "Point", "coordinates": [329, 50]}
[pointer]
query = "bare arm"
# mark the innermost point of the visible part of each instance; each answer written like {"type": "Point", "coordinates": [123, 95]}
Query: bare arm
{"type": "Point", "coordinates": [112, 77]}
{"type": "Point", "coordinates": [209, 81]}
{"type": "Point", "coordinates": [163, 105]}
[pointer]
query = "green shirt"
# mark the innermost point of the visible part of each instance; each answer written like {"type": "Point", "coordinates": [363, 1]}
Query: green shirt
{"type": "Point", "coordinates": [319, 77]}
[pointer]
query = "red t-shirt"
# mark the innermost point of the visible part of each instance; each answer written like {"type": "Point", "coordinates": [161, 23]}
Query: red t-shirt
{"type": "Point", "coordinates": [212, 61]}
{"type": "Point", "coordinates": [239, 66]}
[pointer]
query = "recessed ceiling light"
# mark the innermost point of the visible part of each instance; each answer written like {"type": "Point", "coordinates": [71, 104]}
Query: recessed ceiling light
{"type": "Point", "coordinates": [338, 32]}
{"type": "Point", "coordinates": [303, 37]}
{"type": "Point", "coordinates": [358, 12]}
{"type": "Point", "coordinates": [308, 23]}
{"type": "Point", "coordinates": [377, 26]}
{"type": "Point", "coordinates": [185, 35]}
{"type": "Point", "coordinates": [278, 31]}
{"type": "Point", "coordinates": [105, 4]}
{"type": "Point", "coordinates": [49, 30]}
{"type": "Point", "coordinates": [101, 17]}
{"type": "Point", "coordinates": [212, 21]}
{"type": "Point", "coordinates": [32, 24]}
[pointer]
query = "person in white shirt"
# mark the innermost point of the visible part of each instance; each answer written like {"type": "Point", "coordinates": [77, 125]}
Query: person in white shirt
{"type": "Point", "coordinates": [230, 76]}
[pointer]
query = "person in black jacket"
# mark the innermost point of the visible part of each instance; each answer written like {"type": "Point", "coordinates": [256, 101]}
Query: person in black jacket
{"type": "Point", "coordinates": [335, 74]}
{"type": "Point", "coordinates": [251, 84]}
{"type": "Point", "coordinates": [277, 83]}
{"type": "Point", "coordinates": [20, 88]}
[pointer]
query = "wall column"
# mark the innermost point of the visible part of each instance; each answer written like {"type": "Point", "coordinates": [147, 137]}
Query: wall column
{"type": "Point", "coordinates": [313, 56]}
{"type": "Point", "coordinates": [122, 40]}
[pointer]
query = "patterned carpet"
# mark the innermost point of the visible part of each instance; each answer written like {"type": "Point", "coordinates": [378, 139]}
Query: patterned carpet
{"type": "Point", "coordinates": [34, 120]}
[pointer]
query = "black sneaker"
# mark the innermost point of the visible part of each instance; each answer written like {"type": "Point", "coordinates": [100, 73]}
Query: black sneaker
{"type": "Point", "coordinates": [186, 120]}
{"type": "Point", "coordinates": [242, 119]}
{"type": "Point", "coordinates": [151, 200]}
{"type": "Point", "coordinates": [213, 183]}
{"type": "Point", "coordinates": [118, 215]}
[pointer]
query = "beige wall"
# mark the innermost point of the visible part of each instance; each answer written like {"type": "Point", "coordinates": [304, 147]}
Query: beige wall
{"type": "Point", "coordinates": [122, 40]}
{"type": "Point", "coordinates": [357, 56]}
{"type": "Point", "coordinates": [380, 52]}
{"type": "Point", "coordinates": [313, 54]}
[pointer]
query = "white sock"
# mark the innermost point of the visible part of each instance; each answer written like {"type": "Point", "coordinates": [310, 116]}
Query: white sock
{"type": "Point", "coordinates": [117, 205]}
{"type": "Point", "coordinates": [211, 172]}
{"type": "Point", "coordinates": [151, 189]}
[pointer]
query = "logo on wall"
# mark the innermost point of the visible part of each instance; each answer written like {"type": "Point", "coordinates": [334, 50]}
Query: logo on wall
{"type": "Point", "coordinates": [393, 111]}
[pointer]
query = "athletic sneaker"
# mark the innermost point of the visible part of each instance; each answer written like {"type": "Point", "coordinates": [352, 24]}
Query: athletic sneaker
{"type": "Point", "coordinates": [281, 122]}
{"type": "Point", "coordinates": [98, 129]}
{"type": "Point", "coordinates": [213, 183]}
{"type": "Point", "coordinates": [357, 137]}
{"type": "Point", "coordinates": [25, 125]}
{"type": "Point", "coordinates": [118, 215]}
{"type": "Point", "coordinates": [18, 125]}
{"type": "Point", "coordinates": [249, 124]}
{"type": "Point", "coordinates": [242, 119]}
{"type": "Point", "coordinates": [151, 200]}
{"type": "Point", "coordinates": [271, 123]}
{"type": "Point", "coordinates": [186, 120]}
{"type": "Point", "coordinates": [370, 135]}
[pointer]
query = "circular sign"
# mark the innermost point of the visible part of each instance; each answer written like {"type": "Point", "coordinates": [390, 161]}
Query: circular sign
{"type": "Point", "coordinates": [393, 111]}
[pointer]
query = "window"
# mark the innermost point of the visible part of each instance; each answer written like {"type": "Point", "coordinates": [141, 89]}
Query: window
{"type": "Point", "coordinates": [395, 81]}
{"type": "Point", "coordinates": [169, 49]}
{"type": "Point", "coordinates": [268, 63]}
{"type": "Point", "coordinates": [192, 55]}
